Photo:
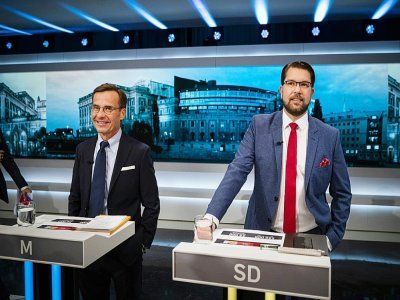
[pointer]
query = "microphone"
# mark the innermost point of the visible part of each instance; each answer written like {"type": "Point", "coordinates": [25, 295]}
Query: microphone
{"type": "Point", "coordinates": [279, 143]}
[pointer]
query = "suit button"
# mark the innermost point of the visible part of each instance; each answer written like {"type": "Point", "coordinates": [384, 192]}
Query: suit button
{"type": "Point", "coordinates": [276, 198]}
{"type": "Point", "coordinates": [269, 220]}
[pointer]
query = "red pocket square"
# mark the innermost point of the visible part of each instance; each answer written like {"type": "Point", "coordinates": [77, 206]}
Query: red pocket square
{"type": "Point", "coordinates": [324, 162]}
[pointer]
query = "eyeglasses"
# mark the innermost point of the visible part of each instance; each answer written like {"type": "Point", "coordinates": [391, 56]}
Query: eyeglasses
{"type": "Point", "coordinates": [108, 110]}
{"type": "Point", "coordinates": [304, 85]}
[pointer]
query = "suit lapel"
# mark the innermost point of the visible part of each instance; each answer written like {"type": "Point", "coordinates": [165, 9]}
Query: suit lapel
{"type": "Point", "coordinates": [313, 138]}
{"type": "Point", "coordinates": [88, 154]}
{"type": "Point", "coordinates": [276, 129]}
{"type": "Point", "coordinates": [122, 156]}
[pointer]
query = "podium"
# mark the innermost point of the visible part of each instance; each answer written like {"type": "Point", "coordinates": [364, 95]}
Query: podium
{"type": "Point", "coordinates": [77, 249]}
{"type": "Point", "coordinates": [253, 269]}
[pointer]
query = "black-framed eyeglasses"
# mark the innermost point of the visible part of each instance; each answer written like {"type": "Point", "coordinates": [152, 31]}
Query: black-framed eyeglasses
{"type": "Point", "coordinates": [304, 85]}
{"type": "Point", "coordinates": [108, 110]}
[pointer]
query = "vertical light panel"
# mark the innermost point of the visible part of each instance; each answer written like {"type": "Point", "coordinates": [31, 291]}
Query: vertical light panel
{"type": "Point", "coordinates": [55, 282]}
{"type": "Point", "coordinates": [28, 277]}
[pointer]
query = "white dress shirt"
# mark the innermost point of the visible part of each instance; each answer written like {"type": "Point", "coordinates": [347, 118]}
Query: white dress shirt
{"type": "Point", "coordinates": [305, 221]}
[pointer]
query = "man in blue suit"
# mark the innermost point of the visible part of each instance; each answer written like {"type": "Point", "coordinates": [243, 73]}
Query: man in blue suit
{"type": "Point", "coordinates": [320, 164]}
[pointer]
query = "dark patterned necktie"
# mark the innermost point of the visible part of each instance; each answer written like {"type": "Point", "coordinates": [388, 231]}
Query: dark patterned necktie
{"type": "Point", "coordinates": [97, 192]}
{"type": "Point", "coordinates": [289, 217]}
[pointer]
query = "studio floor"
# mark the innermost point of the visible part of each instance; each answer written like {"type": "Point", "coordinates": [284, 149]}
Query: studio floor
{"type": "Point", "coordinates": [360, 270]}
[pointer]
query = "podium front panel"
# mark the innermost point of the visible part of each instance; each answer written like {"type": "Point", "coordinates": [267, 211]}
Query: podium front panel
{"type": "Point", "coordinates": [253, 269]}
{"type": "Point", "coordinates": [41, 250]}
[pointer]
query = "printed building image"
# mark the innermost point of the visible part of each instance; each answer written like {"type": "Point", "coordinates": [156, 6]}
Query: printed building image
{"type": "Point", "coordinates": [393, 129]}
{"type": "Point", "coordinates": [142, 100]}
{"type": "Point", "coordinates": [23, 122]}
{"type": "Point", "coordinates": [362, 135]}
{"type": "Point", "coordinates": [204, 121]}
{"type": "Point", "coordinates": [190, 120]}
{"type": "Point", "coordinates": [211, 119]}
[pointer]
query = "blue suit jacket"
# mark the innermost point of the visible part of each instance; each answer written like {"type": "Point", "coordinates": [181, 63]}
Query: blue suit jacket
{"type": "Point", "coordinates": [261, 147]}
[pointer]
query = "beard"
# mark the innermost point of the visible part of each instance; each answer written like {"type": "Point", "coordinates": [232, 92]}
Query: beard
{"type": "Point", "coordinates": [296, 110]}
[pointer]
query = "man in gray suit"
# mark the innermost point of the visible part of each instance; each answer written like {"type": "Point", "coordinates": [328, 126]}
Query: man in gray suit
{"type": "Point", "coordinates": [129, 183]}
{"type": "Point", "coordinates": [319, 163]}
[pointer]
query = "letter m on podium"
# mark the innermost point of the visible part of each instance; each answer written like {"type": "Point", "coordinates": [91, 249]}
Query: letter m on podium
{"type": "Point", "coordinates": [26, 248]}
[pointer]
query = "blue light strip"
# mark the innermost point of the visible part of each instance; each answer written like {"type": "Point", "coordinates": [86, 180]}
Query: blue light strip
{"type": "Point", "coordinates": [85, 16]}
{"type": "Point", "coordinates": [55, 282]}
{"type": "Point", "coordinates": [261, 10]}
{"type": "Point", "coordinates": [385, 6]}
{"type": "Point", "coordinates": [321, 10]}
{"type": "Point", "coordinates": [34, 19]}
{"type": "Point", "coordinates": [144, 13]}
{"type": "Point", "coordinates": [28, 278]}
{"type": "Point", "coordinates": [202, 9]}
{"type": "Point", "coordinates": [14, 30]}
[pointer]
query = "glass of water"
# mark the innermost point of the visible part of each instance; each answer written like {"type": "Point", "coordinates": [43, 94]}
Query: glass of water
{"type": "Point", "coordinates": [26, 211]}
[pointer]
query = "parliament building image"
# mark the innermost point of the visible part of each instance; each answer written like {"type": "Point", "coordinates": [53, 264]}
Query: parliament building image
{"type": "Point", "coordinates": [23, 122]}
{"type": "Point", "coordinates": [192, 119]}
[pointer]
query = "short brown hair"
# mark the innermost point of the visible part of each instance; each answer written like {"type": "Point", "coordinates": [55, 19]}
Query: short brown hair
{"type": "Point", "coordinates": [112, 87]}
{"type": "Point", "coordinates": [298, 65]}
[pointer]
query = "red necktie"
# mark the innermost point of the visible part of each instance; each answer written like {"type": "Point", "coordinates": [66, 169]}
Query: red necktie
{"type": "Point", "coordinates": [289, 216]}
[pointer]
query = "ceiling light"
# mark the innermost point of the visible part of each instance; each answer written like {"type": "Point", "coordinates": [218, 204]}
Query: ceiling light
{"type": "Point", "coordinates": [261, 10]}
{"type": "Point", "coordinates": [204, 12]}
{"type": "Point", "coordinates": [34, 19]}
{"type": "Point", "coordinates": [126, 39]}
{"type": "Point", "coordinates": [9, 45]}
{"type": "Point", "coordinates": [171, 38]}
{"type": "Point", "coordinates": [14, 30]}
{"type": "Point", "coordinates": [144, 13]}
{"type": "Point", "coordinates": [322, 10]}
{"type": "Point", "coordinates": [315, 31]}
{"type": "Point", "coordinates": [89, 18]}
{"type": "Point", "coordinates": [218, 34]}
{"type": "Point", "coordinates": [86, 41]}
{"type": "Point", "coordinates": [385, 6]}
{"type": "Point", "coordinates": [264, 32]}
{"type": "Point", "coordinates": [47, 42]}
{"type": "Point", "coordinates": [370, 29]}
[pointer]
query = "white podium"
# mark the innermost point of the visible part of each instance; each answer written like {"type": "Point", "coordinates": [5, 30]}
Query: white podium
{"type": "Point", "coordinates": [76, 249]}
{"type": "Point", "coordinates": [250, 268]}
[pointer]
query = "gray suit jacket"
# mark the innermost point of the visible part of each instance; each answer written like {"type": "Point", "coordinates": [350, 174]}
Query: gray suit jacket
{"type": "Point", "coordinates": [129, 190]}
{"type": "Point", "coordinates": [261, 147]}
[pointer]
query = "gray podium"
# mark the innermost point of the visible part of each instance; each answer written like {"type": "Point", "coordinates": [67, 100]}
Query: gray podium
{"type": "Point", "coordinates": [253, 269]}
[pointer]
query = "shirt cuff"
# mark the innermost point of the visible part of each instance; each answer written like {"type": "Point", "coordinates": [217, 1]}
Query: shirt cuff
{"type": "Point", "coordinates": [329, 243]}
{"type": "Point", "coordinates": [213, 218]}
{"type": "Point", "coordinates": [24, 187]}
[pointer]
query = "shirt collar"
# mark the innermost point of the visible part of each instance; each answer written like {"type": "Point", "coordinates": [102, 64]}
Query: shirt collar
{"type": "Point", "coordinates": [302, 123]}
{"type": "Point", "coordinates": [114, 141]}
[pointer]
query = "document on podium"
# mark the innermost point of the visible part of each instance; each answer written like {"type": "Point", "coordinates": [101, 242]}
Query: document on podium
{"type": "Point", "coordinates": [251, 238]}
{"type": "Point", "coordinates": [103, 223]}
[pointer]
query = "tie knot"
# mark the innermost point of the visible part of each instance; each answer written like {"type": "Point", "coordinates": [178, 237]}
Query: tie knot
{"type": "Point", "coordinates": [293, 126]}
{"type": "Point", "coordinates": [103, 145]}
